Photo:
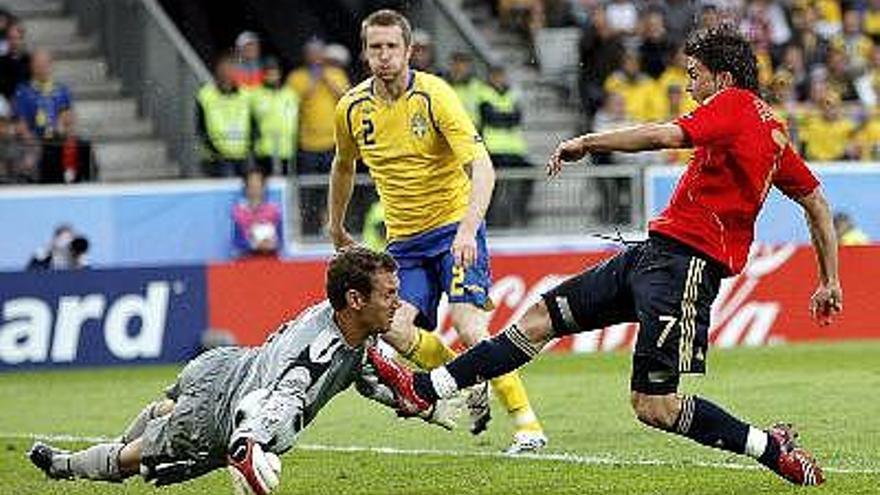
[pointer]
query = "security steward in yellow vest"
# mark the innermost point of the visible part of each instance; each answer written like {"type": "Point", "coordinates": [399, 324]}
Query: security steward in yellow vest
{"type": "Point", "coordinates": [466, 85]}
{"type": "Point", "coordinates": [501, 128]}
{"type": "Point", "coordinates": [224, 123]}
{"type": "Point", "coordinates": [276, 111]}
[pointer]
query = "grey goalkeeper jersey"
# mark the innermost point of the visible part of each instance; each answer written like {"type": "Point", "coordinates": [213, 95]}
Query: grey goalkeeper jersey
{"type": "Point", "coordinates": [301, 366]}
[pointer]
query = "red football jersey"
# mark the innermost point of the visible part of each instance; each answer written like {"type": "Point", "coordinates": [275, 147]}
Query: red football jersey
{"type": "Point", "coordinates": [741, 149]}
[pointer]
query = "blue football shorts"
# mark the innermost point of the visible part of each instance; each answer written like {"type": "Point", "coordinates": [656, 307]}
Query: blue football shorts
{"type": "Point", "coordinates": [427, 270]}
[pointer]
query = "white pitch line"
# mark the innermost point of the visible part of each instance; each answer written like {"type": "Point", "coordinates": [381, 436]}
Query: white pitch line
{"type": "Point", "coordinates": [592, 460]}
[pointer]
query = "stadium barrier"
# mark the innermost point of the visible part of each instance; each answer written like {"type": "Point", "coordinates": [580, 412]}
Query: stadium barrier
{"type": "Point", "coordinates": [851, 187]}
{"type": "Point", "coordinates": [153, 315]}
{"type": "Point", "coordinates": [160, 223]}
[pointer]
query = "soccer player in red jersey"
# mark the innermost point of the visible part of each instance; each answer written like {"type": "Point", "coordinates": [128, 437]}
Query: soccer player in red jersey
{"type": "Point", "coordinates": [668, 282]}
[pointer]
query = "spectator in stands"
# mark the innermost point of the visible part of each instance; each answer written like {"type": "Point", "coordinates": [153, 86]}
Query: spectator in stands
{"type": "Point", "coordinates": [66, 251]}
{"type": "Point", "coordinates": [827, 136]}
{"type": "Point", "coordinates": [840, 79]}
{"type": "Point", "coordinates": [40, 101]}
{"type": "Point", "coordinates": [868, 85]}
{"type": "Point", "coordinates": [319, 87]}
{"type": "Point", "coordinates": [501, 128]}
{"type": "Point", "coordinates": [848, 234]}
{"type": "Point", "coordinates": [519, 15]}
{"type": "Point", "coordinates": [374, 234]}
{"type": "Point", "coordinates": [710, 18]}
{"type": "Point", "coordinates": [15, 64]}
{"type": "Point", "coordinates": [766, 25]}
{"type": "Point", "coordinates": [867, 139]}
{"type": "Point", "coordinates": [336, 55]}
{"type": "Point", "coordinates": [466, 85]}
{"type": "Point", "coordinates": [276, 111]}
{"type": "Point", "coordinates": [675, 76]}
{"type": "Point", "coordinates": [600, 52]}
{"type": "Point", "coordinates": [855, 43]}
{"type": "Point", "coordinates": [19, 152]}
{"type": "Point", "coordinates": [638, 90]}
{"type": "Point", "coordinates": [423, 52]}
{"type": "Point", "coordinates": [828, 17]}
{"type": "Point", "coordinates": [871, 22]}
{"type": "Point", "coordinates": [67, 157]}
{"type": "Point", "coordinates": [6, 19]}
{"type": "Point", "coordinates": [806, 36]}
{"type": "Point", "coordinates": [655, 48]}
{"type": "Point", "coordinates": [224, 123]}
{"type": "Point", "coordinates": [256, 221]}
{"type": "Point", "coordinates": [249, 71]}
{"type": "Point", "coordinates": [793, 64]}
{"type": "Point", "coordinates": [782, 96]}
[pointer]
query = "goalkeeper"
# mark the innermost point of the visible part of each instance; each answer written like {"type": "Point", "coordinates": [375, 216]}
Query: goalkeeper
{"type": "Point", "coordinates": [230, 404]}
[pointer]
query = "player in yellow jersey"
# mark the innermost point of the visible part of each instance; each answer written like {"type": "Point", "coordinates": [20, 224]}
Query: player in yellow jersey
{"type": "Point", "coordinates": [412, 132]}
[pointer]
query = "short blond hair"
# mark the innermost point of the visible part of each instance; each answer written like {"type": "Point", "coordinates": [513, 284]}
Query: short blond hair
{"type": "Point", "coordinates": [387, 17]}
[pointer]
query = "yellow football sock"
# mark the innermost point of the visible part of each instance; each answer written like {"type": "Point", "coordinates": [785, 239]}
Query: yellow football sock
{"type": "Point", "coordinates": [511, 392]}
{"type": "Point", "coordinates": [428, 351]}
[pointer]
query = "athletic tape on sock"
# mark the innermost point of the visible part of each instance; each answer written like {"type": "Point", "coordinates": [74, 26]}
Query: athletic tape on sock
{"type": "Point", "coordinates": [443, 382]}
{"type": "Point", "coordinates": [756, 442]}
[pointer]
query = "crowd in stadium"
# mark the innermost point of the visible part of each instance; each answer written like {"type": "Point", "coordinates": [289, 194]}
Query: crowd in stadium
{"type": "Point", "coordinates": [819, 61]}
{"type": "Point", "coordinates": [39, 141]}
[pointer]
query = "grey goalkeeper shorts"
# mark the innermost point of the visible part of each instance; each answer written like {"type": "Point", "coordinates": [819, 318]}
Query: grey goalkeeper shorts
{"type": "Point", "coordinates": [192, 435]}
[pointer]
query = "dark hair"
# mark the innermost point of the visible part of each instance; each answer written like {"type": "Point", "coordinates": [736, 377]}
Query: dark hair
{"type": "Point", "coordinates": [79, 245]}
{"type": "Point", "coordinates": [353, 268]}
{"type": "Point", "coordinates": [724, 49]}
{"type": "Point", "coordinates": [387, 17]}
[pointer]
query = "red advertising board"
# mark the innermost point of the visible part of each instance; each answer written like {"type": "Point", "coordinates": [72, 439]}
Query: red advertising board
{"type": "Point", "coordinates": [766, 304]}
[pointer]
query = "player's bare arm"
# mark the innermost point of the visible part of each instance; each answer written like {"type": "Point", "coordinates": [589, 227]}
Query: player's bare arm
{"type": "Point", "coordinates": [629, 140]}
{"type": "Point", "coordinates": [827, 300]}
{"type": "Point", "coordinates": [464, 246]}
{"type": "Point", "coordinates": [342, 175]}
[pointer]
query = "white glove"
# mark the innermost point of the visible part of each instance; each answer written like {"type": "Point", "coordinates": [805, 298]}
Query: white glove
{"type": "Point", "coordinates": [445, 412]}
{"type": "Point", "coordinates": [253, 471]}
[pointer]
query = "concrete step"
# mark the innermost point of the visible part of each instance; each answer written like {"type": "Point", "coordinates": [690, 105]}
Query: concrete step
{"type": "Point", "coordinates": [134, 160]}
{"type": "Point", "coordinates": [31, 9]}
{"type": "Point", "coordinates": [80, 71]}
{"type": "Point", "coordinates": [50, 30]}
{"type": "Point", "coordinates": [107, 89]}
{"type": "Point", "coordinates": [106, 112]}
{"type": "Point", "coordinates": [119, 131]}
{"type": "Point", "coordinates": [78, 47]}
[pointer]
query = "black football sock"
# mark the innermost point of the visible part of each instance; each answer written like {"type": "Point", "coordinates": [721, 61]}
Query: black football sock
{"type": "Point", "coordinates": [488, 359]}
{"type": "Point", "coordinates": [708, 424]}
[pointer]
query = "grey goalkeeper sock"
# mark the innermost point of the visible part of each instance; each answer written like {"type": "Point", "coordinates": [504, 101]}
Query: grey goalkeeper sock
{"type": "Point", "coordinates": [98, 462]}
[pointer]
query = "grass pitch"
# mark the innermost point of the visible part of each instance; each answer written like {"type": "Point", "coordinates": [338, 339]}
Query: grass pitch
{"type": "Point", "coordinates": [357, 447]}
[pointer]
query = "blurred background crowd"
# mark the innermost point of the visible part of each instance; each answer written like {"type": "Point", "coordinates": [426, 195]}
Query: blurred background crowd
{"type": "Point", "coordinates": [267, 105]}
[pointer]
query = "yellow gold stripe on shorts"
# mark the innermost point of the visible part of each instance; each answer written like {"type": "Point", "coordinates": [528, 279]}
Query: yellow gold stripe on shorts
{"type": "Point", "coordinates": [689, 313]}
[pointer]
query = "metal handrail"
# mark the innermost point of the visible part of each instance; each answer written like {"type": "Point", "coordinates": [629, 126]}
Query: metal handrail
{"type": "Point", "coordinates": [177, 39]}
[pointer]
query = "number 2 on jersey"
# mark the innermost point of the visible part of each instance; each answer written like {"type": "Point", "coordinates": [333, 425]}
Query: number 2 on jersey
{"type": "Point", "coordinates": [369, 132]}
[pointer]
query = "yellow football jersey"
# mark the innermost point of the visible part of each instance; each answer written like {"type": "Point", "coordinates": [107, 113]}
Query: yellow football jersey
{"type": "Point", "coordinates": [415, 148]}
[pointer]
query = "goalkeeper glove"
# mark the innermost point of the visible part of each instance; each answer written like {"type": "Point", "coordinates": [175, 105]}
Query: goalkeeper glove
{"type": "Point", "coordinates": [253, 471]}
{"type": "Point", "coordinates": [443, 413]}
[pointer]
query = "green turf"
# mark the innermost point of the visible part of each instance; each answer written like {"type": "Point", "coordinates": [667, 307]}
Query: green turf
{"type": "Point", "coordinates": [829, 391]}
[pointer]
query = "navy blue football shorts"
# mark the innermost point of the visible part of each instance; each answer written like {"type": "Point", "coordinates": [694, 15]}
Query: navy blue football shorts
{"type": "Point", "coordinates": [665, 286]}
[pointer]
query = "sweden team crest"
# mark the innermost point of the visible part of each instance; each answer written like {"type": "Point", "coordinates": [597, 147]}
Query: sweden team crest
{"type": "Point", "coordinates": [419, 125]}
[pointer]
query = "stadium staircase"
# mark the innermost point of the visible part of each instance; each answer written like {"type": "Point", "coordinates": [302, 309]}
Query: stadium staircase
{"type": "Point", "coordinates": [551, 111]}
{"type": "Point", "coordinates": [125, 144]}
